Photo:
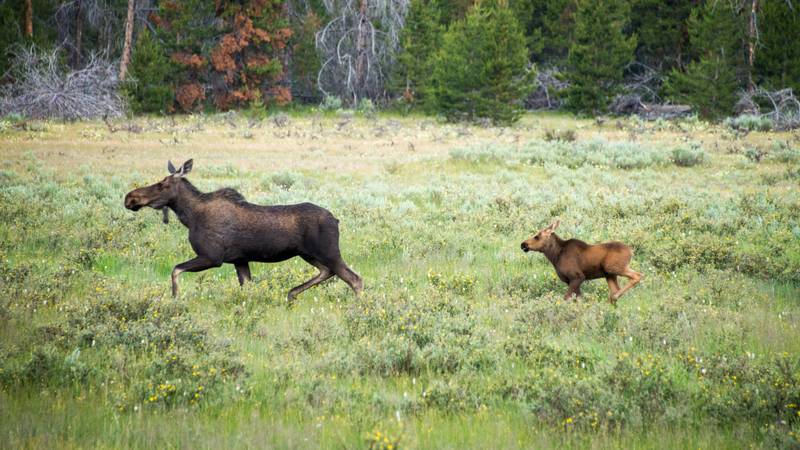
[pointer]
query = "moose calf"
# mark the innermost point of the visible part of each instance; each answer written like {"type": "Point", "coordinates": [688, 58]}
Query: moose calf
{"type": "Point", "coordinates": [224, 228]}
{"type": "Point", "coordinates": [576, 261]}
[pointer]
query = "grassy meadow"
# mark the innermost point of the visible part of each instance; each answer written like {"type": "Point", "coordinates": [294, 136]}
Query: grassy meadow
{"type": "Point", "coordinates": [460, 339]}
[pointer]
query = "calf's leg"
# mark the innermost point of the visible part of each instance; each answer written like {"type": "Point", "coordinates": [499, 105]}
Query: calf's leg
{"type": "Point", "coordinates": [613, 288]}
{"type": "Point", "coordinates": [197, 264]}
{"type": "Point", "coordinates": [242, 272]}
{"type": "Point", "coordinates": [574, 288]}
{"type": "Point", "coordinates": [634, 278]}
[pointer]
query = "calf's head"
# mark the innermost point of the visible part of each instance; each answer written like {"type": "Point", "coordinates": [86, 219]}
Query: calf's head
{"type": "Point", "coordinates": [158, 195]}
{"type": "Point", "coordinates": [538, 241]}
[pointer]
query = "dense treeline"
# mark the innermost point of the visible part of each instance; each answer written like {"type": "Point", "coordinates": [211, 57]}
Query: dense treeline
{"type": "Point", "coordinates": [461, 58]}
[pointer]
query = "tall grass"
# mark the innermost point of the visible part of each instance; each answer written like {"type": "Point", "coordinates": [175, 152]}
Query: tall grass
{"type": "Point", "coordinates": [460, 339]}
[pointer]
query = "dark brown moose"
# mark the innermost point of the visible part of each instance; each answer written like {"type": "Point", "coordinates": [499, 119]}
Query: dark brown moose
{"type": "Point", "coordinates": [576, 261]}
{"type": "Point", "coordinates": [224, 228]}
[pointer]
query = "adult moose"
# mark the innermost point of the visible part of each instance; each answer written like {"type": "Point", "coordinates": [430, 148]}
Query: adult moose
{"type": "Point", "coordinates": [224, 228]}
{"type": "Point", "coordinates": [576, 261]}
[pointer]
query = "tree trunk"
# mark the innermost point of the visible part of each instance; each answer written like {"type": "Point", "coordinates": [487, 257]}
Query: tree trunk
{"type": "Point", "coordinates": [77, 48]}
{"type": "Point", "coordinates": [361, 49]}
{"type": "Point", "coordinates": [126, 48]}
{"type": "Point", "coordinates": [751, 44]}
{"type": "Point", "coordinates": [28, 19]}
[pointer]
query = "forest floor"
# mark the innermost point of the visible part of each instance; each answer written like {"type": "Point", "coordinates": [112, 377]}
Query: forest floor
{"type": "Point", "coordinates": [460, 340]}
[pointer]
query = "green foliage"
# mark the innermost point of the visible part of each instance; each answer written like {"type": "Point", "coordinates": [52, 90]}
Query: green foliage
{"type": "Point", "coordinates": [305, 62]}
{"type": "Point", "coordinates": [779, 46]}
{"type": "Point", "coordinates": [480, 71]}
{"type": "Point", "coordinates": [598, 55]}
{"type": "Point", "coordinates": [709, 84]}
{"type": "Point", "coordinates": [783, 152]}
{"type": "Point", "coordinates": [749, 122]}
{"type": "Point", "coordinates": [597, 153]}
{"type": "Point", "coordinates": [688, 156]}
{"type": "Point", "coordinates": [548, 26]}
{"type": "Point", "coordinates": [568, 135]}
{"type": "Point", "coordinates": [661, 31]}
{"type": "Point", "coordinates": [149, 89]}
{"type": "Point", "coordinates": [331, 103]}
{"type": "Point", "coordinates": [421, 38]}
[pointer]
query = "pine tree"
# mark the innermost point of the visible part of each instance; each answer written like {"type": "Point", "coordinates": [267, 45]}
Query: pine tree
{"type": "Point", "coordinates": [548, 27]}
{"type": "Point", "coordinates": [421, 38]}
{"type": "Point", "coordinates": [149, 89]}
{"type": "Point", "coordinates": [481, 69]}
{"type": "Point", "coordinates": [598, 55]}
{"type": "Point", "coordinates": [778, 57]}
{"type": "Point", "coordinates": [710, 83]}
{"type": "Point", "coordinates": [661, 31]}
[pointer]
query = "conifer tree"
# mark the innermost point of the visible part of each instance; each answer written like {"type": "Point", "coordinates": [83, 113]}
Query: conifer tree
{"type": "Point", "coordinates": [598, 55]}
{"type": "Point", "coordinates": [778, 56]}
{"type": "Point", "coordinates": [661, 31]}
{"type": "Point", "coordinates": [710, 83]}
{"type": "Point", "coordinates": [421, 38]}
{"type": "Point", "coordinates": [149, 88]}
{"type": "Point", "coordinates": [548, 26]}
{"type": "Point", "coordinates": [481, 69]}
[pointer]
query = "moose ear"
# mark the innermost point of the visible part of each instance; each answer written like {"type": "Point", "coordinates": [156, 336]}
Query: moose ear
{"type": "Point", "coordinates": [170, 168]}
{"type": "Point", "coordinates": [554, 225]}
{"type": "Point", "coordinates": [187, 167]}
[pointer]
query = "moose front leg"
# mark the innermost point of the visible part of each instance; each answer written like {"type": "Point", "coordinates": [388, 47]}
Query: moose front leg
{"type": "Point", "coordinates": [243, 272]}
{"type": "Point", "coordinates": [193, 265]}
{"type": "Point", "coordinates": [574, 288]}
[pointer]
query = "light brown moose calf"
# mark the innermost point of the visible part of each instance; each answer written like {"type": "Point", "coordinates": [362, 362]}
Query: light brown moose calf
{"type": "Point", "coordinates": [576, 261]}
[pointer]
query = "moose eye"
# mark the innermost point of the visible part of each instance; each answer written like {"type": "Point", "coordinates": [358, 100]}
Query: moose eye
{"type": "Point", "coordinates": [536, 238]}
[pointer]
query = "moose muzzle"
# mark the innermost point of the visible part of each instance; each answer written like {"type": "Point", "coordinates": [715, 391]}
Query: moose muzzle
{"type": "Point", "coordinates": [133, 201]}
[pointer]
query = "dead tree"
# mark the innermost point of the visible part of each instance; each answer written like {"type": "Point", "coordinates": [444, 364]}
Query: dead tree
{"type": "Point", "coordinates": [74, 17]}
{"type": "Point", "coordinates": [28, 19]}
{"type": "Point", "coordinates": [780, 106]}
{"type": "Point", "coordinates": [126, 48]}
{"type": "Point", "coordinates": [358, 46]}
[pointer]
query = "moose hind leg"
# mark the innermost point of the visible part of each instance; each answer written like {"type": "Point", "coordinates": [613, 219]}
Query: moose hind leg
{"type": "Point", "coordinates": [242, 272]}
{"type": "Point", "coordinates": [634, 279]}
{"type": "Point", "coordinates": [351, 278]}
{"type": "Point", "coordinates": [324, 274]}
{"type": "Point", "coordinates": [197, 264]}
{"type": "Point", "coordinates": [613, 288]}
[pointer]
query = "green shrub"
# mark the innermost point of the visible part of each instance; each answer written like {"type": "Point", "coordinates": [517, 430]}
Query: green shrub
{"type": "Point", "coordinates": [749, 122]}
{"type": "Point", "coordinates": [559, 135]}
{"type": "Point", "coordinates": [618, 155]}
{"type": "Point", "coordinates": [331, 103]}
{"type": "Point", "coordinates": [784, 153]}
{"type": "Point", "coordinates": [754, 154]}
{"type": "Point", "coordinates": [688, 156]}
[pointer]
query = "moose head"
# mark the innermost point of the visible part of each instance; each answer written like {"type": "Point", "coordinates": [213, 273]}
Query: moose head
{"type": "Point", "coordinates": [538, 241]}
{"type": "Point", "coordinates": [159, 195]}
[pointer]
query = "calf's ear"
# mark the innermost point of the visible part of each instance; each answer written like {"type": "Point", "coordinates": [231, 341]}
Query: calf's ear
{"type": "Point", "coordinates": [170, 168]}
{"type": "Point", "coordinates": [554, 225]}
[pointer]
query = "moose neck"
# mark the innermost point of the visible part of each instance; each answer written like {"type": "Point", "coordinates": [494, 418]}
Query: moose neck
{"type": "Point", "coordinates": [185, 204]}
{"type": "Point", "coordinates": [552, 249]}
